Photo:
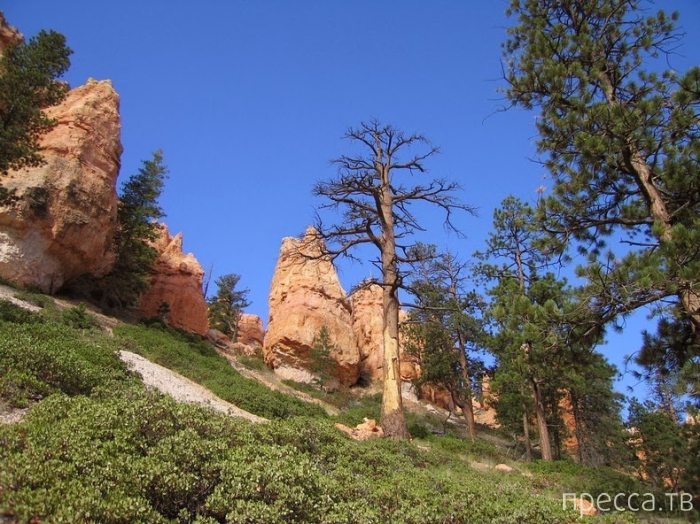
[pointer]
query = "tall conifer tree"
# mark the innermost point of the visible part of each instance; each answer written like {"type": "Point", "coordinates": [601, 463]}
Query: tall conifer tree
{"type": "Point", "coordinates": [619, 135]}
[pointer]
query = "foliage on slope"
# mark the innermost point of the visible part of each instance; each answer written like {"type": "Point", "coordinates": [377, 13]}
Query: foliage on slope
{"type": "Point", "coordinates": [101, 448]}
{"type": "Point", "coordinates": [39, 357]}
{"type": "Point", "coordinates": [130, 455]}
{"type": "Point", "coordinates": [198, 361]}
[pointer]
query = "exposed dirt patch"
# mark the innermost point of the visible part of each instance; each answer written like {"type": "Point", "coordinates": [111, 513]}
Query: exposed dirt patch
{"type": "Point", "coordinates": [8, 293]}
{"type": "Point", "coordinates": [10, 415]}
{"type": "Point", "coordinates": [181, 388]}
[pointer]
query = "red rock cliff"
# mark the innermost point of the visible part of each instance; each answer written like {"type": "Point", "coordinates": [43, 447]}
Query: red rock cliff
{"type": "Point", "coordinates": [305, 296]}
{"type": "Point", "coordinates": [177, 281]}
{"type": "Point", "coordinates": [8, 34]}
{"type": "Point", "coordinates": [368, 324]}
{"type": "Point", "coordinates": [251, 330]}
{"type": "Point", "coordinates": [63, 224]}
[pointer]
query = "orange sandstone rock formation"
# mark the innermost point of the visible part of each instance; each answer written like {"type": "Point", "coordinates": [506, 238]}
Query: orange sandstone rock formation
{"type": "Point", "coordinates": [176, 281]}
{"type": "Point", "coordinates": [63, 223]}
{"type": "Point", "coordinates": [305, 296]}
{"type": "Point", "coordinates": [410, 368]}
{"type": "Point", "coordinates": [250, 330]}
{"type": "Point", "coordinates": [566, 410]}
{"type": "Point", "coordinates": [251, 334]}
{"type": "Point", "coordinates": [368, 324]}
{"type": "Point", "coordinates": [437, 395]}
{"type": "Point", "coordinates": [8, 34]}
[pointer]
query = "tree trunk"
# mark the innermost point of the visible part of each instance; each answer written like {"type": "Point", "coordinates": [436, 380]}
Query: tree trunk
{"type": "Point", "coordinates": [468, 410]}
{"type": "Point", "coordinates": [526, 436]}
{"type": "Point", "coordinates": [658, 210]}
{"type": "Point", "coordinates": [467, 406]}
{"type": "Point", "coordinates": [392, 418]}
{"type": "Point", "coordinates": [687, 291]}
{"type": "Point", "coordinates": [545, 446]}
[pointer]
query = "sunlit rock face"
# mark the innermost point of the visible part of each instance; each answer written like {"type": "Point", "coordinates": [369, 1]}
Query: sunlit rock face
{"type": "Point", "coordinates": [63, 223]}
{"type": "Point", "coordinates": [306, 296]}
{"type": "Point", "coordinates": [8, 34]}
{"type": "Point", "coordinates": [368, 325]}
{"type": "Point", "coordinates": [176, 280]}
{"type": "Point", "coordinates": [251, 330]}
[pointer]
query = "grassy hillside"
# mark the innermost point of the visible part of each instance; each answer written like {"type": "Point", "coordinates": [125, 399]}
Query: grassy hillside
{"type": "Point", "coordinates": [97, 446]}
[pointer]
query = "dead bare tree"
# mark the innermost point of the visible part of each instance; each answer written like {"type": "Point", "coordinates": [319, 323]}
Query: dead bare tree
{"type": "Point", "coordinates": [370, 192]}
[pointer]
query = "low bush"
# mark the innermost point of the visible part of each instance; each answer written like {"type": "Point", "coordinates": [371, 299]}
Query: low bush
{"type": "Point", "coordinates": [418, 430]}
{"type": "Point", "coordinates": [100, 448]}
{"type": "Point", "coordinates": [38, 359]}
{"type": "Point", "coordinates": [10, 312]}
{"type": "Point", "coordinates": [125, 454]}
{"type": "Point", "coordinates": [304, 387]}
{"type": "Point", "coordinates": [360, 408]}
{"type": "Point", "coordinates": [254, 363]}
{"type": "Point", "coordinates": [571, 477]}
{"type": "Point", "coordinates": [200, 362]}
{"type": "Point", "coordinates": [36, 299]}
{"type": "Point", "coordinates": [78, 317]}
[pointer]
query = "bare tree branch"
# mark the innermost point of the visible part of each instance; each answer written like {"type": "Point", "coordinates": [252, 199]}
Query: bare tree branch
{"type": "Point", "coordinates": [375, 206]}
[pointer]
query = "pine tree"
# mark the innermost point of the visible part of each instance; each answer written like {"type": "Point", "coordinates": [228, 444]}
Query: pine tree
{"type": "Point", "coordinates": [137, 213]}
{"type": "Point", "coordinates": [595, 407]}
{"type": "Point", "coordinates": [621, 141]}
{"type": "Point", "coordinates": [375, 193]}
{"type": "Point", "coordinates": [669, 361]}
{"type": "Point", "coordinates": [667, 449]}
{"type": "Point", "coordinates": [28, 84]}
{"type": "Point", "coordinates": [445, 328]}
{"type": "Point", "coordinates": [528, 310]}
{"type": "Point", "coordinates": [544, 354]}
{"type": "Point", "coordinates": [321, 362]}
{"type": "Point", "coordinates": [227, 305]}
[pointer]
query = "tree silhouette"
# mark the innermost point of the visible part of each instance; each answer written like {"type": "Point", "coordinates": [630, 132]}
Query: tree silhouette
{"type": "Point", "coordinates": [373, 190]}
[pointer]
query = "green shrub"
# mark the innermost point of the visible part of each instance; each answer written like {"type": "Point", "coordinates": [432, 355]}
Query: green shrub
{"type": "Point", "coordinates": [577, 478]}
{"type": "Point", "coordinates": [36, 299]}
{"type": "Point", "coordinates": [10, 312]}
{"type": "Point", "coordinates": [480, 448]}
{"type": "Point", "coordinates": [126, 454]}
{"type": "Point", "coordinates": [78, 317]}
{"type": "Point", "coordinates": [198, 361]}
{"type": "Point", "coordinates": [37, 359]}
{"type": "Point", "coordinates": [104, 459]}
{"type": "Point", "coordinates": [7, 282]}
{"type": "Point", "coordinates": [101, 448]}
{"type": "Point", "coordinates": [252, 363]}
{"type": "Point", "coordinates": [418, 430]}
{"type": "Point", "coordinates": [362, 407]}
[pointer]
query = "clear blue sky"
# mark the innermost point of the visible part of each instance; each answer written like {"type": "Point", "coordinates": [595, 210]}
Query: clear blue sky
{"type": "Point", "coordinates": [249, 99]}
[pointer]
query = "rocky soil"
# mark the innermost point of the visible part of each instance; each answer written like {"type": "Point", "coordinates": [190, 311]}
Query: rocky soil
{"type": "Point", "coordinates": [181, 388]}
